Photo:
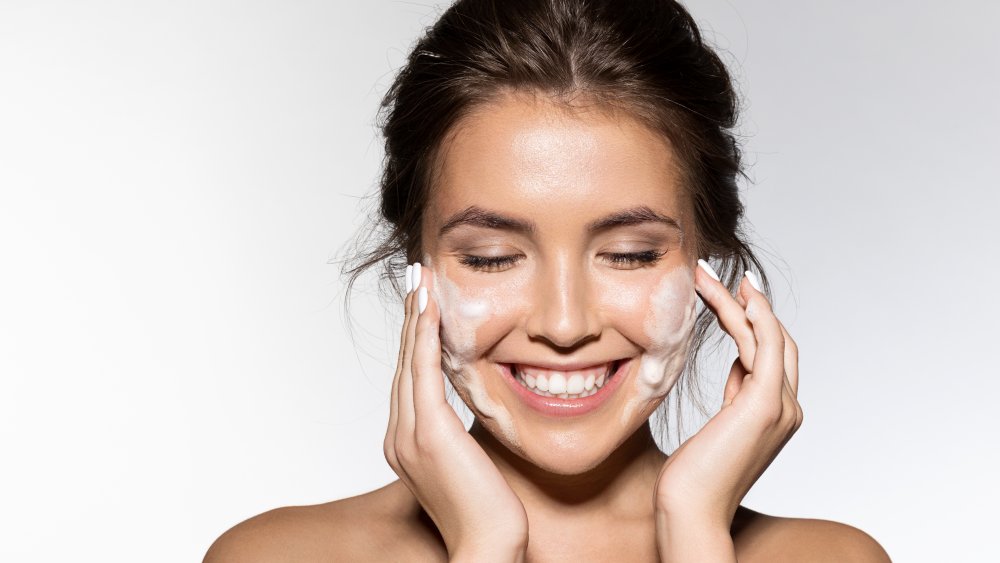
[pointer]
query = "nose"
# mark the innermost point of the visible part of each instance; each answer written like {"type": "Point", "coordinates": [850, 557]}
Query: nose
{"type": "Point", "coordinates": [563, 313]}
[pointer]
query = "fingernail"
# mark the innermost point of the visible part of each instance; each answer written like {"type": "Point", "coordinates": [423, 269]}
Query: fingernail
{"type": "Point", "coordinates": [409, 280]}
{"type": "Point", "coordinates": [704, 266]}
{"type": "Point", "coordinates": [421, 300]}
{"type": "Point", "coordinates": [753, 280]}
{"type": "Point", "coordinates": [416, 275]}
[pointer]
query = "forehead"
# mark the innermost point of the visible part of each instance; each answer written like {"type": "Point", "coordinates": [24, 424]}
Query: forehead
{"type": "Point", "coordinates": [533, 156]}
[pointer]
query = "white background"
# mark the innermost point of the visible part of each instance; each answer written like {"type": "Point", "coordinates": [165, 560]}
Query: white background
{"type": "Point", "coordinates": [174, 177]}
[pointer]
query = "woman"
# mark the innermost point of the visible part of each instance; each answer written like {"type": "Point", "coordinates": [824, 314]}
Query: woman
{"type": "Point", "coordinates": [560, 173]}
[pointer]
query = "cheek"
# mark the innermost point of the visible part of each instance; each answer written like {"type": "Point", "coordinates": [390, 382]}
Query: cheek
{"type": "Point", "coordinates": [668, 326]}
{"type": "Point", "coordinates": [473, 318]}
{"type": "Point", "coordinates": [670, 311]}
{"type": "Point", "coordinates": [461, 318]}
{"type": "Point", "coordinates": [625, 304]}
{"type": "Point", "coordinates": [657, 314]}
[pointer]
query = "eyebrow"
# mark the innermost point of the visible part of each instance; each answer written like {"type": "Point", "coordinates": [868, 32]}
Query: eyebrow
{"type": "Point", "coordinates": [630, 217]}
{"type": "Point", "coordinates": [478, 217]}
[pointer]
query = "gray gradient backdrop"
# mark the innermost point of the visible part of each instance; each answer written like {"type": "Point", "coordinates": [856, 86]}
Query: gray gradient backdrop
{"type": "Point", "coordinates": [174, 177]}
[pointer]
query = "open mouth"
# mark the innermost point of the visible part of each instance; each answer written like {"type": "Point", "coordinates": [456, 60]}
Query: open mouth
{"type": "Point", "coordinates": [568, 384]}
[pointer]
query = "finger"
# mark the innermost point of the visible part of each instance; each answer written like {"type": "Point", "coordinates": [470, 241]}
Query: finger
{"type": "Point", "coordinates": [791, 361]}
{"type": "Point", "coordinates": [791, 348]}
{"type": "Point", "coordinates": [406, 316]}
{"type": "Point", "coordinates": [406, 415]}
{"type": "Point", "coordinates": [428, 379]}
{"type": "Point", "coordinates": [390, 436]}
{"type": "Point", "coordinates": [769, 363]}
{"type": "Point", "coordinates": [734, 382]}
{"type": "Point", "coordinates": [731, 315]}
{"type": "Point", "coordinates": [394, 396]}
{"type": "Point", "coordinates": [791, 410]}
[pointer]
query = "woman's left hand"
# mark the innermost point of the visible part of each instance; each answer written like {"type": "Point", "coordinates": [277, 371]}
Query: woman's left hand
{"type": "Point", "coordinates": [703, 482]}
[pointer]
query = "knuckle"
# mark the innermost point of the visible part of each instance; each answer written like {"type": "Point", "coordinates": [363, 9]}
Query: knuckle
{"type": "Point", "coordinates": [791, 414]}
{"type": "Point", "coordinates": [792, 344]}
{"type": "Point", "coordinates": [746, 337]}
{"type": "Point", "coordinates": [416, 368]}
{"type": "Point", "coordinates": [422, 439]}
{"type": "Point", "coordinates": [760, 304]}
{"type": "Point", "coordinates": [788, 418]}
{"type": "Point", "coordinates": [389, 451]}
{"type": "Point", "coordinates": [769, 412]}
{"type": "Point", "coordinates": [405, 454]}
{"type": "Point", "coordinates": [792, 348]}
{"type": "Point", "coordinates": [428, 437]}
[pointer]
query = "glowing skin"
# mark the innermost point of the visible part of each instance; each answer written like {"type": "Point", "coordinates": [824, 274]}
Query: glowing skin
{"type": "Point", "coordinates": [668, 326]}
{"type": "Point", "coordinates": [463, 312]}
{"type": "Point", "coordinates": [546, 286]}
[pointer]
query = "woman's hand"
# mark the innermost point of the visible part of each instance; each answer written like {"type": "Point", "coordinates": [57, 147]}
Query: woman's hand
{"type": "Point", "coordinates": [477, 513]}
{"type": "Point", "coordinates": [702, 483]}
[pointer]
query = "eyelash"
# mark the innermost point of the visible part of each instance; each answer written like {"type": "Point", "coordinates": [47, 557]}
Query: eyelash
{"type": "Point", "coordinates": [489, 263]}
{"type": "Point", "coordinates": [644, 258]}
{"type": "Point", "coordinates": [495, 263]}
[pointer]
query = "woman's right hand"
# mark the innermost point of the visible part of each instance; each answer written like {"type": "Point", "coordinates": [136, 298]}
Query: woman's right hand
{"type": "Point", "coordinates": [475, 510]}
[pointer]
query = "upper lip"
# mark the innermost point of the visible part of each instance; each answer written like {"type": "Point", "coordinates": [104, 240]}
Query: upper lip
{"type": "Point", "coordinates": [553, 366]}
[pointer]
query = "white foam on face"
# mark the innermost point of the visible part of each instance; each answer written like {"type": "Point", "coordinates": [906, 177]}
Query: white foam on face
{"type": "Point", "coordinates": [668, 326]}
{"type": "Point", "coordinates": [462, 314]}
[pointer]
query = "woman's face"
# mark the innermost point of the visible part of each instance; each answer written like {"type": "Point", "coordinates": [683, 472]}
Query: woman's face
{"type": "Point", "coordinates": [563, 252]}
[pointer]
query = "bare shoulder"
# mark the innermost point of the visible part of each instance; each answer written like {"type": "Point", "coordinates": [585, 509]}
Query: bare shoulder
{"type": "Point", "coordinates": [376, 526]}
{"type": "Point", "coordinates": [760, 537]}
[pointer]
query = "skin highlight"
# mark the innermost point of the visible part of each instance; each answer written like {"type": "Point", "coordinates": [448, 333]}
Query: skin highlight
{"type": "Point", "coordinates": [559, 234]}
{"type": "Point", "coordinates": [463, 313]}
{"type": "Point", "coordinates": [564, 237]}
{"type": "Point", "coordinates": [668, 326]}
{"type": "Point", "coordinates": [562, 299]}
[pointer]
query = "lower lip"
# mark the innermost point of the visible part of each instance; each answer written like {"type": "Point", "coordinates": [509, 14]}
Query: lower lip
{"type": "Point", "coordinates": [554, 406]}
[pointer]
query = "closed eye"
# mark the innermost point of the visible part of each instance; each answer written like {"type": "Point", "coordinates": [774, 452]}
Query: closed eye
{"type": "Point", "coordinates": [490, 263]}
{"type": "Point", "coordinates": [617, 259]}
{"type": "Point", "coordinates": [634, 259]}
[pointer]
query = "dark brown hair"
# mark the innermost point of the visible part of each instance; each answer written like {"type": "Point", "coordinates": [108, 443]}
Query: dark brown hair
{"type": "Point", "coordinates": [644, 57]}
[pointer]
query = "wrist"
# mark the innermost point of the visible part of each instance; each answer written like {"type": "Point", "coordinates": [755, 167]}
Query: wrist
{"type": "Point", "coordinates": [693, 539]}
{"type": "Point", "coordinates": [690, 512]}
{"type": "Point", "coordinates": [504, 550]}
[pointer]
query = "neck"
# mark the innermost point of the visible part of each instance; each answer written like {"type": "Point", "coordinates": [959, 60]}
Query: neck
{"type": "Point", "coordinates": [614, 485]}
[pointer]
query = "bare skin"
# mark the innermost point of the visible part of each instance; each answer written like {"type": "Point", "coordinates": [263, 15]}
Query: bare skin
{"type": "Point", "coordinates": [593, 487]}
{"type": "Point", "coordinates": [388, 524]}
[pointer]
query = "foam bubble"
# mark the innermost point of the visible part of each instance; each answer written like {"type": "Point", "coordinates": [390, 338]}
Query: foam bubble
{"type": "Point", "coordinates": [462, 315]}
{"type": "Point", "coordinates": [668, 326]}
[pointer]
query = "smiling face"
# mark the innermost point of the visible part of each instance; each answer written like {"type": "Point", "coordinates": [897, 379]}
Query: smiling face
{"type": "Point", "coordinates": [563, 250]}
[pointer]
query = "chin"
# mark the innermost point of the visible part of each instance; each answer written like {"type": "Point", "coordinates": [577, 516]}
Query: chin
{"type": "Point", "coordinates": [563, 436]}
{"type": "Point", "coordinates": [571, 452]}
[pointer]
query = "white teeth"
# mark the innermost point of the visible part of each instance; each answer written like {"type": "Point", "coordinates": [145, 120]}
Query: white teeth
{"type": "Point", "coordinates": [575, 384]}
{"type": "Point", "coordinates": [542, 383]}
{"type": "Point", "coordinates": [557, 383]}
{"type": "Point", "coordinates": [565, 385]}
